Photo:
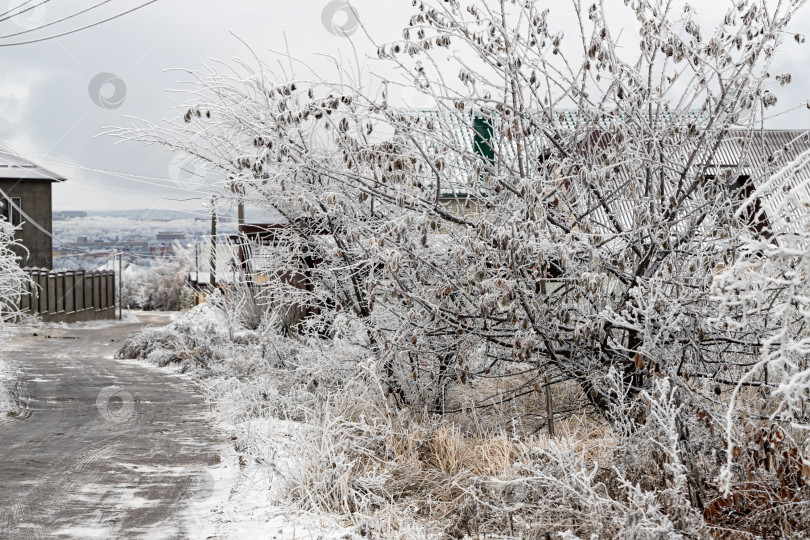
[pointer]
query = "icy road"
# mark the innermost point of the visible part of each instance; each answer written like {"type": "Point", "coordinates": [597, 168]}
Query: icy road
{"type": "Point", "coordinates": [100, 448]}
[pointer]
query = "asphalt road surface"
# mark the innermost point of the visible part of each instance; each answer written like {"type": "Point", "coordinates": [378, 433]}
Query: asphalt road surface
{"type": "Point", "coordinates": [100, 448]}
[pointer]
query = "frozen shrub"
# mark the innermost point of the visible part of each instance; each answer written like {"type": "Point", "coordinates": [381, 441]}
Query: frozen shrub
{"type": "Point", "coordinates": [191, 341]}
{"type": "Point", "coordinates": [426, 287]}
{"type": "Point", "coordinates": [12, 279]}
{"type": "Point", "coordinates": [634, 488]}
{"type": "Point", "coordinates": [157, 288]}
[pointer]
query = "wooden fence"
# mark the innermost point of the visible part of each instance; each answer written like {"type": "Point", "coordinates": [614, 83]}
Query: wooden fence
{"type": "Point", "coordinates": [70, 295]}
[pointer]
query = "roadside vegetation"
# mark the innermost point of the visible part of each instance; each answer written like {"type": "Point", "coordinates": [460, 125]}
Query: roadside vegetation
{"type": "Point", "coordinates": [159, 287]}
{"type": "Point", "coordinates": [12, 281]}
{"type": "Point", "coordinates": [547, 307]}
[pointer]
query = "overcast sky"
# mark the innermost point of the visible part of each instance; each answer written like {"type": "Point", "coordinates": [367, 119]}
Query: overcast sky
{"type": "Point", "coordinates": [48, 114]}
{"type": "Point", "coordinates": [45, 104]}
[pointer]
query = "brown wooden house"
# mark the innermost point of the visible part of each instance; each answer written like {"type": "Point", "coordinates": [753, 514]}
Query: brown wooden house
{"type": "Point", "coordinates": [26, 201]}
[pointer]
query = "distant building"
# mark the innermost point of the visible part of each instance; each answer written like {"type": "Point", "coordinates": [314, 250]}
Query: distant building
{"type": "Point", "coordinates": [25, 199]}
{"type": "Point", "coordinates": [65, 214]}
{"type": "Point", "coordinates": [83, 245]}
{"type": "Point", "coordinates": [170, 236]}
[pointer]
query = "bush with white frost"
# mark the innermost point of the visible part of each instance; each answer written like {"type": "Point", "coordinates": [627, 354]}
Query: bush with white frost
{"type": "Point", "coordinates": [160, 287]}
{"type": "Point", "coordinates": [13, 281]}
{"type": "Point", "coordinates": [433, 299]}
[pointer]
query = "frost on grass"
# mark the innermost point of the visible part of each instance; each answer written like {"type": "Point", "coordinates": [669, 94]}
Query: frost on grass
{"type": "Point", "coordinates": [318, 423]}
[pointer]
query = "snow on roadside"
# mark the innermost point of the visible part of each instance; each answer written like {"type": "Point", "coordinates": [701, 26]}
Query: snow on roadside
{"type": "Point", "coordinates": [6, 380]}
{"type": "Point", "coordinates": [243, 505]}
{"type": "Point", "coordinates": [128, 317]}
{"type": "Point", "coordinates": [245, 498]}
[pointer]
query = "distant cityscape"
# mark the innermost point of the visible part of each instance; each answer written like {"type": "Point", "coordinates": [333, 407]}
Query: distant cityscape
{"type": "Point", "coordinates": [83, 240]}
{"type": "Point", "coordinates": [88, 239]}
{"type": "Point", "coordinates": [163, 245]}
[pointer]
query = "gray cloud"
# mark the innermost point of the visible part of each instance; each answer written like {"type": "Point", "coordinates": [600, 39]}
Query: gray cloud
{"type": "Point", "coordinates": [45, 108]}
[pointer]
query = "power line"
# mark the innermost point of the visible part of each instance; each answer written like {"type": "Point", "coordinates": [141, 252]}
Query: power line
{"type": "Point", "coordinates": [6, 15]}
{"type": "Point", "coordinates": [148, 180]}
{"type": "Point", "coordinates": [75, 182]}
{"type": "Point", "coordinates": [76, 30]}
{"type": "Point", "coordinates": [67, 17]}
{"type": "Point", "coordinates": [28, 218]}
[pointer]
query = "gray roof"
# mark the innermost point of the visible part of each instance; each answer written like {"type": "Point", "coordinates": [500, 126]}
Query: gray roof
{"type": "Point", "coordinates": [777, 162]}
{"type": "Point", "coordinates": [15, 167]}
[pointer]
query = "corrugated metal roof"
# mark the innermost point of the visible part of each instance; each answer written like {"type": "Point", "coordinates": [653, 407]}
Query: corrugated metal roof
{"type": "Point", "coordinates": [758, 154]}
{"type": "Point", "coordinates": [459, 126]}
{"type": "Point", "coordinates": [780, 167]}
{"type": "Point", "coordinates": [15, 167]}
{"type": "Point", "coordinates": [566, 125]}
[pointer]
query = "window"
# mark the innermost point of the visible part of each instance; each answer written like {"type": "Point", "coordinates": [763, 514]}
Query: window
{"type": "Point", "coordinates": [11, 212]}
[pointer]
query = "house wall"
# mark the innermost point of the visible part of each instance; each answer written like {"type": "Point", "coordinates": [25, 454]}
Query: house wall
{"type": "Point", "coordinates": [37, 203]}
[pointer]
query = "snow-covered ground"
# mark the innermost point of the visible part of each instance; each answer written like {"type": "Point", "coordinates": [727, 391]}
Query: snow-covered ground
{"type": "Point", "coordinates": [6, 403]}
{"type": "Point", "coordinates": [291, 470]}
{"type": "Point", "coordinates": [246, 492]}
{"type": "Point", "coordinates": [128, 317]}
{"type": "Point", "coordinates": [244, 504]}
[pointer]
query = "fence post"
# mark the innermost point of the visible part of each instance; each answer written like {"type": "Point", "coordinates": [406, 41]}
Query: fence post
{"type": "Point", "coordinates": [59, 287]}
{"type": "Point", "coordinates": [88, 291]}
{"type": "Point", "coordinates": [25, 299]}
{"type": "Point", "coordinates": [97, 290]}
{"type": "Point", "coordinates": [36, 292]}
{"type": "Point", "coordinates": [102, 290]}
{"type": "Point", "coordinates": [50, 279]}
{"type": "Point", "coordinates": [70, 295]}
{"type": "Point", "coordinates": [78, 298]}
{"type": "Point", "coordinates": [42, 281]}
{"type": "Point", "coordinates": [111, 290]}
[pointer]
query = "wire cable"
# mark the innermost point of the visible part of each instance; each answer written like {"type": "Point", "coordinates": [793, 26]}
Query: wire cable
{"type": "Point", "coordinates": [5, 15]}
{"type": "Point", "coordinates": [76, 30]}
{"type": "Point", "coordinates": [63, 19]}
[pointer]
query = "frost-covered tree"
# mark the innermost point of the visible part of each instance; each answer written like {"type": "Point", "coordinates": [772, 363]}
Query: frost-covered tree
{"type": "Point", "coordinates": [592, 235]}
{"type": "Point", "coordinates": [560, 216]}
{"type": "Point", "coordinates": [13, 281]}
{"type": "Point", "coordinates": [594, 216]}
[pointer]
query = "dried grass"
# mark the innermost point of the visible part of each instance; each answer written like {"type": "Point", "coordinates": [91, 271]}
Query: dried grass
{"type": "Point", "coordinates": [404, 473]}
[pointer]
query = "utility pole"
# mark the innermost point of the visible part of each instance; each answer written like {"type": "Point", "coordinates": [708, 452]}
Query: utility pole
{"type": "Point", "coordinates": [240, 213]}
{"type": "Point", "coordinates": [239, 192]}
{"type": "Point", "coordinates": [213, 264]}
{"type": "Point", "coordinates": [120, 286]}
{"type": "Point", "coordinates": [549, 407]}
{"type": "Point", "coordinates": [242, 245]}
